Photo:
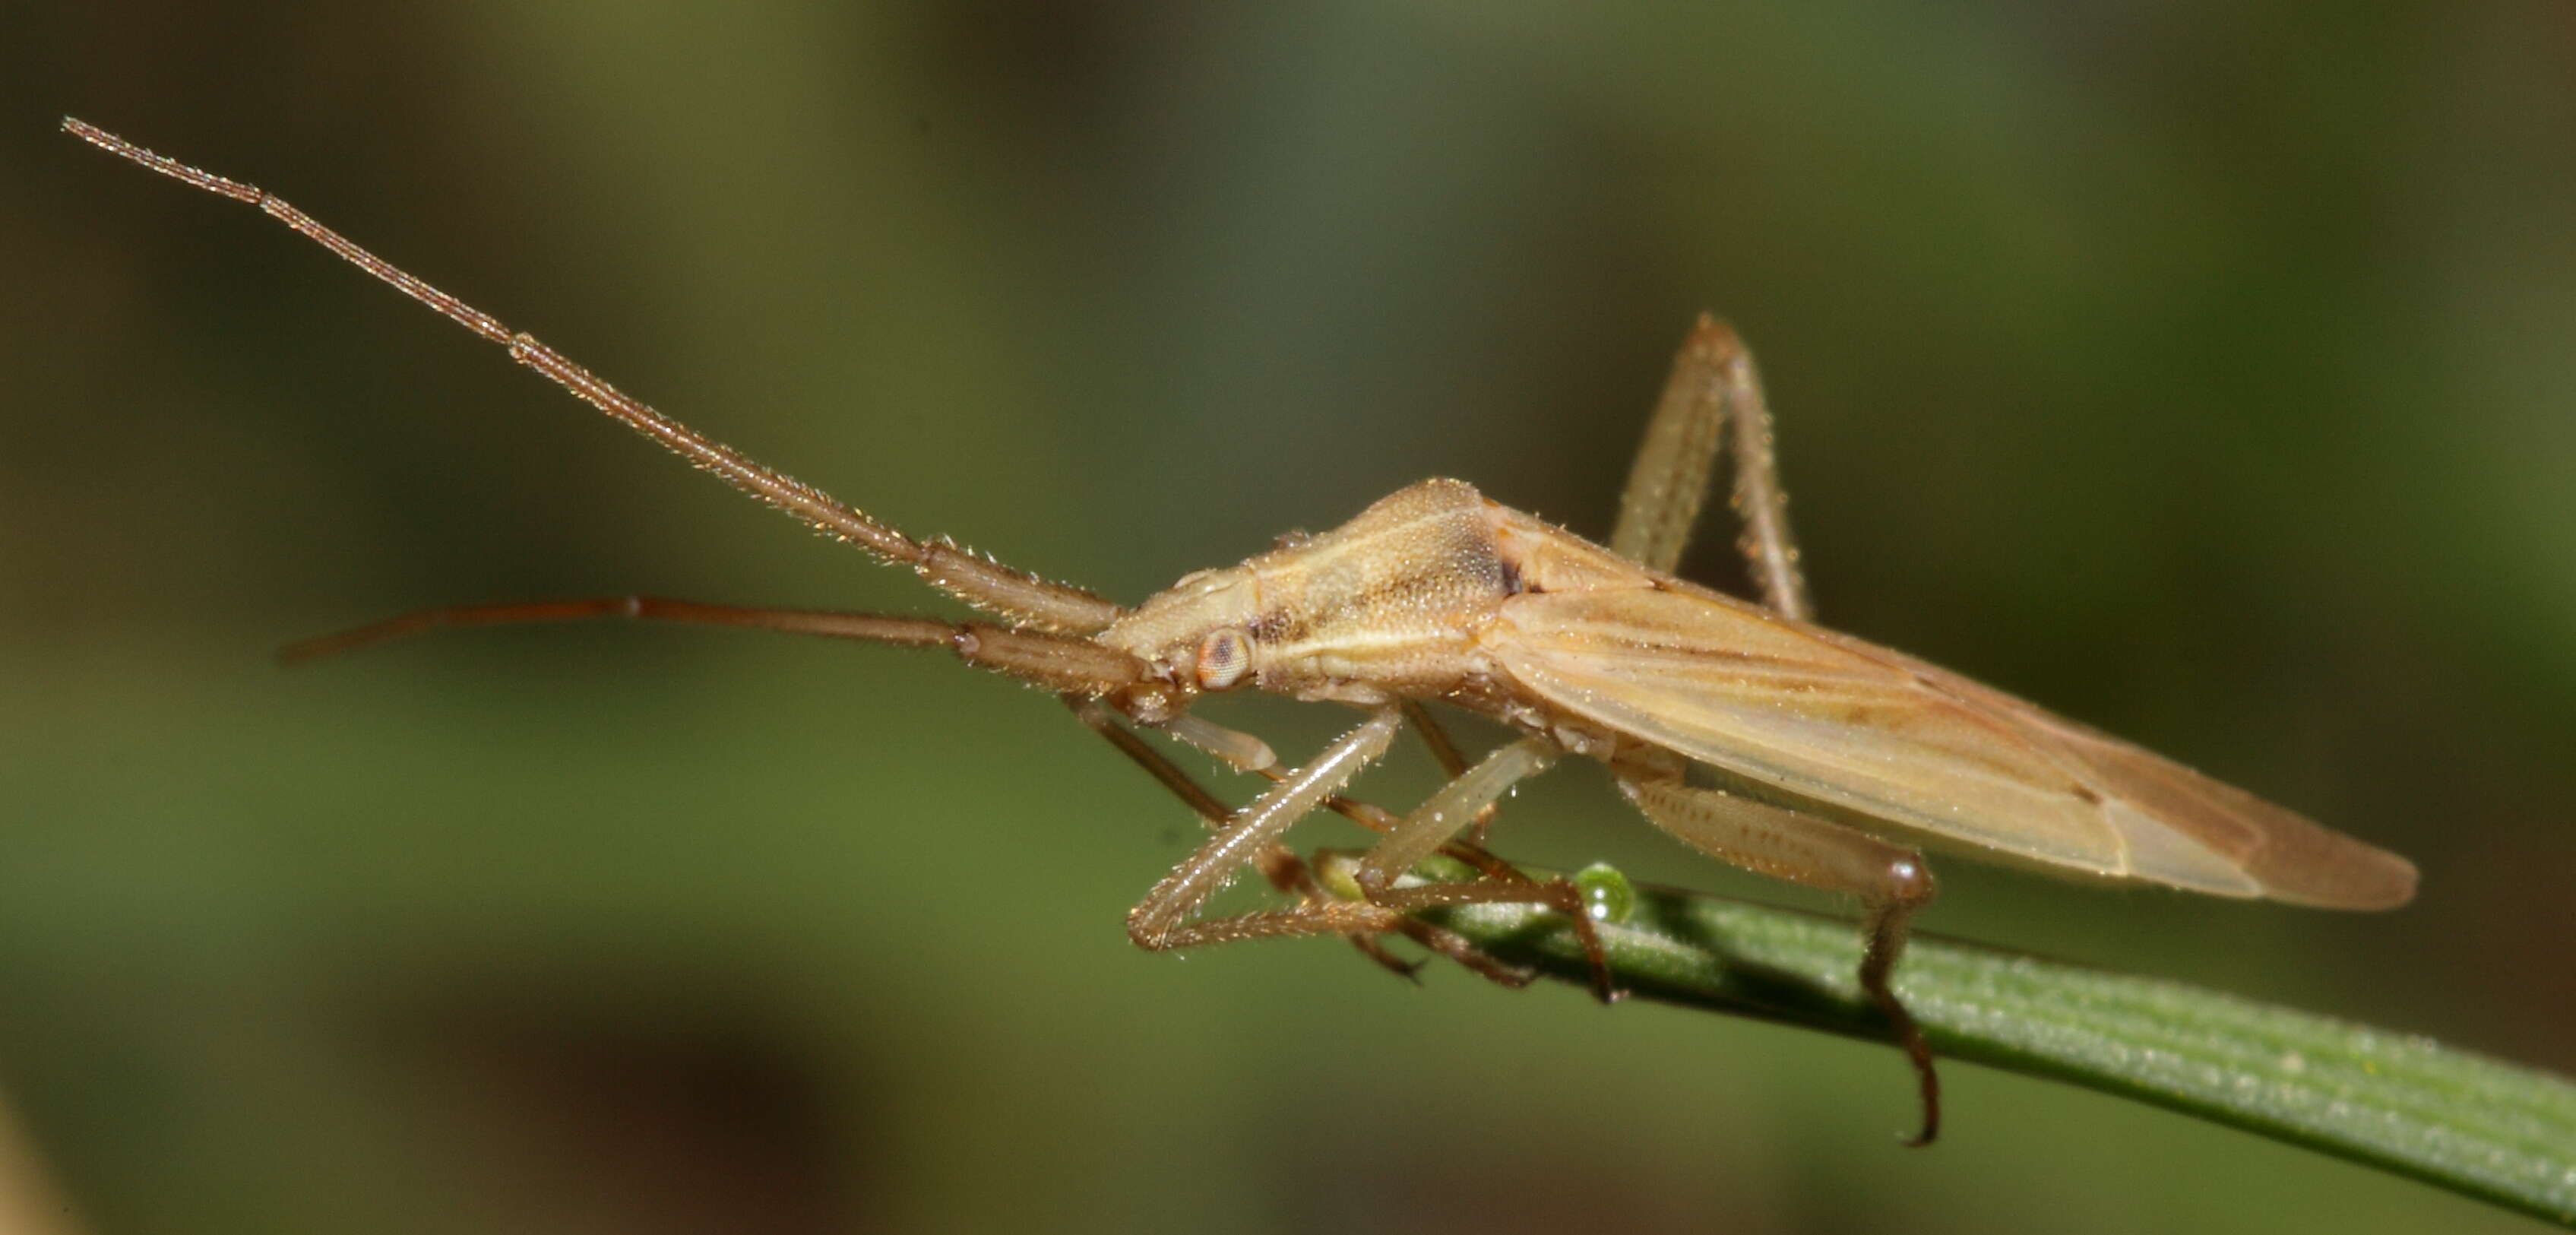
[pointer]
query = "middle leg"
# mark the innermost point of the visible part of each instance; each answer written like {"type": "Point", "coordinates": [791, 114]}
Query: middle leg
{"type": "Point", "coordinates": [1464, 801]}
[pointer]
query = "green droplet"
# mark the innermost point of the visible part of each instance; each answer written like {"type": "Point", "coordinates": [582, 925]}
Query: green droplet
{"type": "Point", "coordinates": [1440, 868]}
{"type": "Point", "coordinates": [1338, 874]}
{"type": "Point", "coordinates": [1607, 894]}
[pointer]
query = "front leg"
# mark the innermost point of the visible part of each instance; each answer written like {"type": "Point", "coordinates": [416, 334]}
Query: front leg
{"type": "Point", "coordinates": [1278, 864]}
{"type": "Point", "coordinates": [1354, 919]}
{"type": "Point", "coordinates": [1157, 922]}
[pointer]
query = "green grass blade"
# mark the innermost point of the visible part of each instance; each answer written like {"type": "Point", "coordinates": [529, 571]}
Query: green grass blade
{"type": "Point", "coordinates": [2475, 1125]}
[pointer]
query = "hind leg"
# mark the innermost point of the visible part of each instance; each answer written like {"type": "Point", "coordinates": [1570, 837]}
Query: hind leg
{"type": "Point", "coordinates": [1891, 881]}
{"type": "Point", "coordinates": [1713, 389]}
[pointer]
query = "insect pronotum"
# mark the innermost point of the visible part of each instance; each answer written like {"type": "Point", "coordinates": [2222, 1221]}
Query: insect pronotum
{"type": "Point", "coordinates": [1744, 730]}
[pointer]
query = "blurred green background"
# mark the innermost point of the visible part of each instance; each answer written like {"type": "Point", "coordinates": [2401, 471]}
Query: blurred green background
{"type": "Point", "coordinates": [2203, 370]}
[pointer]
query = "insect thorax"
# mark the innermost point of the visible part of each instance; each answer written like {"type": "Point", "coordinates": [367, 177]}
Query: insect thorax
{"type": "Point", "coordinates": [1387, 604]}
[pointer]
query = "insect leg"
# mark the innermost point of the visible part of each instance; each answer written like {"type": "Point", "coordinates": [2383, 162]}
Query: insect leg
{"type": "Point", "coordinates": [1461, 802]}
{"type": "Point", "coordinates": [1155, 923]}
{"type": "Point", "coordinates": [1445, 750]}
{"type": "Point", "coordinates": [1501, 883]}
{"type": "Point", "coordinates": [1059, 662]}
{"type": "Point", "coordinates": [1891, 881]}
{"type": "Point", "coordinates": [1559, 895]}
{"type": "Point", "coordinates": [1759, 500]}
{"type": "Point", "coordinates": [1278, 863]}
{"type": "Point", "coordinates": [1449, 811]}
{"type": "Point", "coordinates": [1668, 482]}
{"type": "Point", "coordinates": [1713, 377]}
{"type": "Point", "coordinates": [1241, 751]}
{"type": "Point", "coordinates": [970, 577]}
{"type": "Point", "coordinates": [1248, 753]}
{"type": "Point", "coordinates": [1339, 917]}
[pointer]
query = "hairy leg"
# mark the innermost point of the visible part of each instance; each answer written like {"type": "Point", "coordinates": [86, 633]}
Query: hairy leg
{"type": "Point", "coordinates": [1891, 881]}
{"type": "Point", "coordinates": [1155, 923]}
{"type": "Point", "coordinates": [1713, 383]}
{"type": "Point", "coordinates": [1278, 863]}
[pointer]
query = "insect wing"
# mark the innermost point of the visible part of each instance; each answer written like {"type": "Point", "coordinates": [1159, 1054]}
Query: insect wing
{"type": "Point", "coordinates": [1917, 748]}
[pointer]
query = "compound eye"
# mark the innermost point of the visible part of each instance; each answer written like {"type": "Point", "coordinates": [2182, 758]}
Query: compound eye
{"type": "Point", "coordinates": [1224, 657]}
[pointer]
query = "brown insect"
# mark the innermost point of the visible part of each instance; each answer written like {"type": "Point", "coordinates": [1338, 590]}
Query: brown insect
{"type": "Point", "coordinates": [1745, 730]}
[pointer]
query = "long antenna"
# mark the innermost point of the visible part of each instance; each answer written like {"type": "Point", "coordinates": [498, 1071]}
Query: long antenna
{"type": "Point", "coordinates": [969, 576]}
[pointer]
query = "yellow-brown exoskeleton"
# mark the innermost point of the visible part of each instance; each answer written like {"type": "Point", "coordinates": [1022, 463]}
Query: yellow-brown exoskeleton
{"type": "Point", "coordinates": [1743, 729]}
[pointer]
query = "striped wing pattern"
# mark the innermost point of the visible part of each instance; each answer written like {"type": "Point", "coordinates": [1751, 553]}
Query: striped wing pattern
{"type": "Point", "coordinates": [1917, 748]}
